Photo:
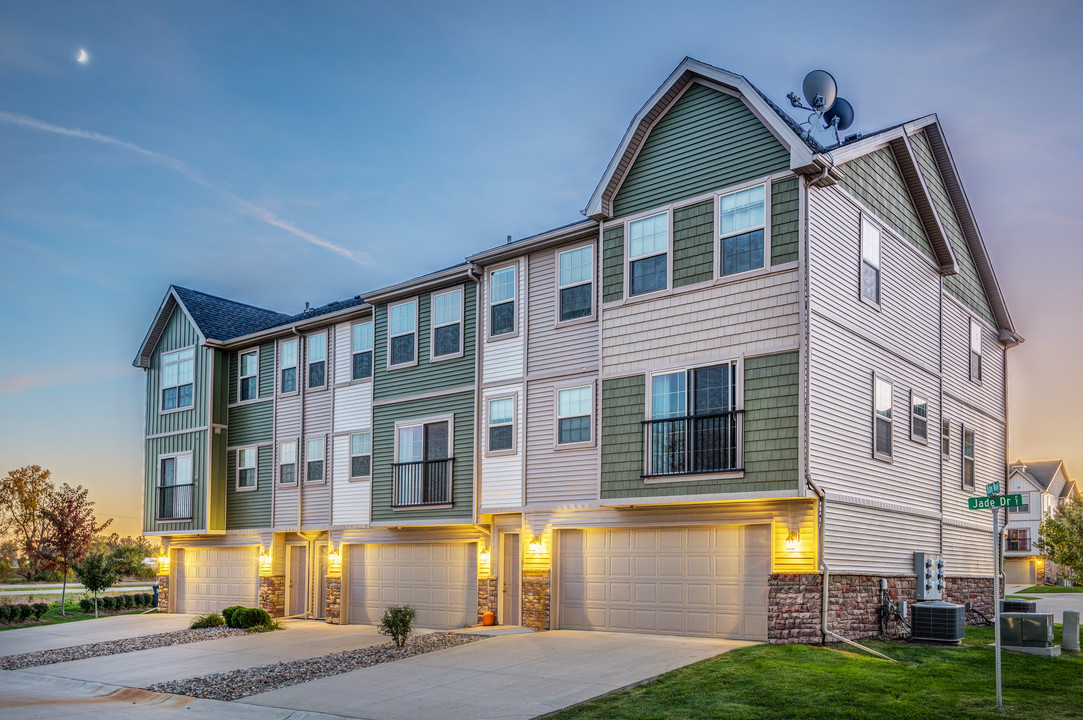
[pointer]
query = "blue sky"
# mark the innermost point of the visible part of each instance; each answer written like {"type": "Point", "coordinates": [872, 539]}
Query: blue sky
{"type": "Point", "coordinates": [408, 135]}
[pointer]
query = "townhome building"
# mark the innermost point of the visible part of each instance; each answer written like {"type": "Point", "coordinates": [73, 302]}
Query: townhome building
{"type": "Point", "coordinates": [753, 382]}
{"type": "Point", "coordinates": [1045, 486]}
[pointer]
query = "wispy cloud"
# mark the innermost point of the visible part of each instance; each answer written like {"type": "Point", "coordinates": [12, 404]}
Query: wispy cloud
{"type": "Point", "coordinates": [179, 166]}
{"type": "Point", "coordinates": [61, 377]}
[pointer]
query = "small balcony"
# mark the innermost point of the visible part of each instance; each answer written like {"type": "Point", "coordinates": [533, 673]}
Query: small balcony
{"type": "Point", "coordinates": [1017, 545]}
{"type": "Point", "coordinates": [175, 502]}
{"type": "Point", "coordinates": [426, 482]}
{"type": "Point", "coordinates": [693, 445]}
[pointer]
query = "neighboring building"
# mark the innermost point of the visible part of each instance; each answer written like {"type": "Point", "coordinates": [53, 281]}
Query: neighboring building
{"type": "Point", "coordinates": [1044, 486]}
{"type": "Point", "coordinates": [620, 424]}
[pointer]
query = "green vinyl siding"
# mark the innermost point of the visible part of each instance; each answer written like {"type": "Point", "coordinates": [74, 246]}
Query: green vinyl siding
{"type": "Point", "coordinates": [216, 519]}
{"type": "Point", "coordinates": [179, 333]}
{"type": "Point", "coordinates": [770, 434]}
{"type": "Point", "coordinates": [613, 264]}
{"type": "Point", "coordinates": [220, 393]}
{"type": "Point", "coordinates": [266, 370]}
{"type": "Point", "coordinates": [427, 376]}
{"type": "Point", "coordinates": [693, 243]}
{"type": "Point", "coordinates": [707, 141]}
{"type": "Point", "coordinates": [875, 179]}
{"type": "Point", "coordinates": [461, 405]}
{"type": "Point", "coordinates": [785, 220]}
{"type": "Point", "coordinates": [966, 284]}
{"type": "Point", "coordinates": [154, 449]}
{"type": "Point", "coordinates": [250, 509]}
{"type": "Point", "coordinates": [251, 423]}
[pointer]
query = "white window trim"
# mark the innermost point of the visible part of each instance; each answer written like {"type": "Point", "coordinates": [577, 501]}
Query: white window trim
{"type": "Point", "coordinates": [514, 397]}
{"type": "Point", "coordinates": [162, 388]}
{"type": "Point", "coordinates": [279, 463]}
{"type": "Point", "coordinates": [326, 361]}
{"type": "Point", "coordinates": [574, 385]}
{"type": "Point", "coordinates": [963, 430]}
{"type": "Point", "coordinates": [165, 456]}
{"type": "Point", "coordinates": [350, 456]}
{"type": "Point", "coordinates": [945, 436]}
{"type": "Point", "coordinates": [279, 367]}
{"type": "Point", "coordinates": [237, 469]}
{"type": "Point", "coordinates": [863, 218]}
{"type": "Point", "coordinates": [353, 325]}
{"type": "Point", "coordinates": [877, 377]}
{"type": "Point", "coordinates": [433, 357]}
{"type": "Point", "coordinates": [322, 481]}
{"type": "Point", "coordinates": [593, 282]}
{"type": "Point", "coordinates": [449, 419]}
{"type": "Point", "coordinates": [975, 326]}
{"type": "Point", "coordinates": [628, 260]}
{"type": "Point", "coordinates": [417, 312]}
{"type": "Point", "coordinates": [241, 378]}
{"type": "Point", "coordinates": [913, 417]}
{"type": "Point", "coordinates": [719, 237]}
{"type": "Point", "coordinates": [489, 337]}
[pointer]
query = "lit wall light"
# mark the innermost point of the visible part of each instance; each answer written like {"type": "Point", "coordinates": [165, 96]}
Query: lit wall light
{"type": "Point", "coordinates": [485, 555]}
{"type": "Point", "coordinates": [265, 561]}
{"type": "Point", "coordinates": [793, 540]}
{"type": "Point", "coordinates": [334, 562]}
{"type": "Point", "coordinates": [163, 564]}
{"type": "Point", "coordinates": [536, 545]}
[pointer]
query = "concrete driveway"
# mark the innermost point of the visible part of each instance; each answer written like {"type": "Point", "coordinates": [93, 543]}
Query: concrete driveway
{"type": "Point", "coordinates": [119, 627]}
{"type": "Point", "coordinates": [1055, 603]}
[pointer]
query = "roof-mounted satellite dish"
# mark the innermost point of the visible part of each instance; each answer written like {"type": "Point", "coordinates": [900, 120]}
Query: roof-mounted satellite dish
{"type": "Point", "coordinates": [820, 90]}
{"type": "Point", "coordinates": [843, 111]}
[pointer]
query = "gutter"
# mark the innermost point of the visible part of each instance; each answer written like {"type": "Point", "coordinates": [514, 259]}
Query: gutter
{"type": "Point", "coordinates": [291, 327]}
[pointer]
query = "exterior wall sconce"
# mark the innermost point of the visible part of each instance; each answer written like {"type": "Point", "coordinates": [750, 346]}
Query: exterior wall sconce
{"type": "Point", "coordinates": [536, 545]}
{"type": "Point", "coordinates": [334, 562]}
{"type": "Point", "coordinates": [485, 557]}
{"type": "Point", "coordinates": [265, 561]}
{"type": "Point", "coordinates": [163, 564]}
{"type": "Point", "coordinates": [793, 541]}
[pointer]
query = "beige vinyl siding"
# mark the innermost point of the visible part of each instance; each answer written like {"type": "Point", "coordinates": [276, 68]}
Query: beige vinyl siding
{"type": "Point", "coordinates": [353, 407]}
{"type": "Point", "coordinates": [989, 395]}
{"type": "Point", "coordinates": [250, 509]}
{"type": "Point", "coordinates": [564, 349]}
{"type": "Point", "coordinates": [502, 359]}
{"type": "Point", "coordinates": [989, 454]}
{"type": "Point", "coordinates": [318, 409]}
{"type": "Point", "coordinates": [785, 220]}
{"type": "Point", "coordinates": [178, 333]}
{"type": "Point", "coordinates": [693, 243]}
{"type": "Point", "coordinates": [502, 475]}
{"type": "Point", "coordinates": [613, 263]}
{"type": "Point", "coordinates": [707, 140]}
{"type": "Point", "coordinates": [351, 500]}
{"type": "Point", "coordinates": [194, 442]}
{"type": "Point", "coordinates": [968, 550]}
{"type": "Point", "coordinates": [860, 538]}
{"type": "Point", "coordinates": [287, 429]}
{"type": "Point", "coordinates": [567, 474]}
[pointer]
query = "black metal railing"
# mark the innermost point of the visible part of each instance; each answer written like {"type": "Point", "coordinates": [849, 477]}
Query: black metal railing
{"type": "Point", "coordinates": [1020, 545]}
{"type": "Point", "coordinates": [426, 482]}
{"type": "Point", "coordinates": [175, 502]}
{"type": "Point", "coordinates": [693, 444]}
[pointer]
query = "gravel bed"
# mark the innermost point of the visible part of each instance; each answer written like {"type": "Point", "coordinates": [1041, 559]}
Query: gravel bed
{"type": "Point", "coordinates": [241, 683]}
{"type": "Point", "coordinates": [114, 647]}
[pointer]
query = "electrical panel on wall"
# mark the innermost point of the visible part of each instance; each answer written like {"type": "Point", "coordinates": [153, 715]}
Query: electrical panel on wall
{"type": "Point", "coordinates": [929, 569]}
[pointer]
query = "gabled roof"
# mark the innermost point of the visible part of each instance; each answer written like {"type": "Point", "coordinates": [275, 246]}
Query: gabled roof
{"type": "Point", "coordinates": [1042, 473]}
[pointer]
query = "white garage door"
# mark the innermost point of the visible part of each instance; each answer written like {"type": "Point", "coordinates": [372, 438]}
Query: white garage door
{"type": "Point", "coordinates": [438, 580]}
{"type": "Point", "coordinates": [1021, 571]}
{"type": "Point", "coordinates": [209, 579]}
{"type": "Point", "coordinates": [709, 581]}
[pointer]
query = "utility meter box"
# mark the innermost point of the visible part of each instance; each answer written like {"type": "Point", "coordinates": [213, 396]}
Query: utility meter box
{"type": "Point", "coordinates": [929, 568]}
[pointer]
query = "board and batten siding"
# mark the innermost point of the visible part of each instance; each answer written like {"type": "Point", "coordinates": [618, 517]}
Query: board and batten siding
{"type": "Point", "coordinates": [707, 140]}
{"type": "Point", "coordinates": [502, 358]}
{"type": "Point", "coordinates": [194, 442]}
{"type": "Point", "coordinates": [179, 333]}
{"type": "Point", "coordinates": [502, 475]}
{"type": "Point", "coordinates": [558, 475]}
{"type": "Point", "coordinates": [350, 499]}
{"type": "Point", "coordinates": [785, 220]}
{"type": "Point", "coordinates": [250, 509]}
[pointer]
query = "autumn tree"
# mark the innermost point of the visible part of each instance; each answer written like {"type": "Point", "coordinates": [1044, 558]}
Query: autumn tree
{"type": "Point", "coordinates": [70, 528]}
{"type": "Point", "coordinates": [24, 493]}
{"type": "Point", "coordinates": [1060, 536]}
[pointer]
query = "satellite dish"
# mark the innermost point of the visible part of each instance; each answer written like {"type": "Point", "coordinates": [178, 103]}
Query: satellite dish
{"type": "Point", "coordinates": [820, 83]}
{"type": "Point", "coordinates": [843, 110]}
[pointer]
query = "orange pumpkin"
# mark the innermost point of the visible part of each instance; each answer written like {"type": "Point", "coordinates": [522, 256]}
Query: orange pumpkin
{"type": "Point", "coordinates": [488, 619]}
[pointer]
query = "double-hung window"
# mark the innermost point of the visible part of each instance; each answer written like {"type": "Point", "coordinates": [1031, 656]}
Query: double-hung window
{"type": "Point", "coordinates": [968, 458]}
{"type": "Point", "coordinates": [178, 371]}
{"type": "Point", "coordinates": [502, 425]}
{"type": "Point", "coordinates": [945, 437]}
{"type": "Point", "coordinates": [870, 261]}
{"type": "Point", "coordinates": [361, 347]}
{"type": "Point", "coordinates": [694, 422]}
{"type": "Point", "coordinates": [248, 366]}
{"type": "Point", "coordinates": [422, 470]}
{"type": "Point", "coordinates": [175, 487]}
{"type": "Point", "coordinates": [575, 276]}
{"type": "Point", "coordinates": [317, 360]}
{"type": "Point", "coordinates": [919, 418]}
{"type": "Point", "coordinates": [314, 457]}
{"type": "Point", "coordinates": [246, 469]}
{"type": "Point", "coordinates": [1018, 540]}
{"type": "Point", "coordinates": [502, 301]}
{"type": "Point", "coordinates": [975, 350]}
{"type": "Point", "coordinates": [288, 362]}
{"type": "Point", "coordinates": [883, 422]}
{"type": "Point", "coordinates": [648, 254]}
{"type": "Point", "coordinates": [1024, 508]}
{"type": "Point", "coordinates": [402, 334]}
{"type": "Point", "coordinates": [447, 324]}
{"type": "Point", "coordinates": [741, 222]}
{"type": "Point", "coordinates": [287, 463]}
{"type": "Point", "coordinates": [574, 406]}
{"type": "Point", "coordinates": [361, 455]}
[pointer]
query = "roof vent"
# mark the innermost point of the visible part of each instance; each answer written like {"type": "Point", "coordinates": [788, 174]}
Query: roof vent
{"type": "Point", "coordinates": [509, 238]}
{"type": "Point", "coordinates": [306, 305]}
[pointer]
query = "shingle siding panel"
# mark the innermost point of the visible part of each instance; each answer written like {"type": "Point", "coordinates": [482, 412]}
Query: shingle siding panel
{"type": "Point", "coordinates": [785, 220]}
{"type": "Point", "coordinates": [613, 263]}
{"type": "Point", "coordinates": [693, 243]}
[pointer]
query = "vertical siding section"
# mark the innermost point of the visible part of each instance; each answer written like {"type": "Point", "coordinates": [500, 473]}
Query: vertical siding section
{"type": "Point", "coordinates": [250, 509]}
{"type": "Point", "coordinates": [351, 499]}
{"type": "Point", "coordinates": [771, 421]}
{"type": "Point", "coordinates": [502, 475]}
{"type": "Point", "coordinates": [707, 140]}
{"type": "Point", "coordinates": [179, 333]}
{"type": "Point", "coordinates": [785, 220]}
{"type": "Point", "coordinates": [613, 263]}
{"type": "Point", "coordinates": [154, 448]}
{"type": "Point", "coordinates": [693, 243]}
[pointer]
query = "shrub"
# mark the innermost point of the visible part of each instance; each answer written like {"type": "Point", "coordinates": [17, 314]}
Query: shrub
{"type": "Point", "coordinates": [228, 614]}
{"type": "Point", "coordinates": [39, 609]}
{"type": "Point", "coordinates": [250, 617]}
{"type": "Point", "coordinates": [86, 605]}
{"type": "Point", "coordinates": [25, 611]}
{"type": "Point", "coordinates": [129, 601]}
{"type": "Point", "coordinates": [210, 620]}
{"type": "Point", "coordinates": [107, 602]}
{"type": "Point", "coordinates": [6, 613]}
{"type": "Point", "coordinates": [397, 622]}
{"type": "Point", "coordinates": [146, 599]}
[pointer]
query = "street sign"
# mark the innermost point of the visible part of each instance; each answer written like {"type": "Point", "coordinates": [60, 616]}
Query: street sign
{"type": "Point", "coordinates": [992, 488]}
{"type": "Point", "coordinates": [995, 502]}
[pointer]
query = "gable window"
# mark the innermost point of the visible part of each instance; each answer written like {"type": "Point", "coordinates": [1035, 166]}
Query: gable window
{"type": "Point", "coordinates": [975, 350]}
{"type": "Point", "coordinates": [287, 463]}
{"type": "Point", "coordinates": [447, 324]}
{"type": "Point", "coordinates": [574, 407]}
{"type": "Point", "coordinates": [402, 334]}
{"type": "Point", "coordinates": [317, 360]}
{"type": "Point", "coordinates": [249, 375]}
{"type": "Point", "coordinates": [422, 470]}
{"type": "Point", "coordinates": [314, 460]}
{"type": "Point", "coordinates": [870, 262]}
{"type": "Point", "coordinates": [694, 424]}
{"type": "Point", "coordinates": [648, 253]}
{"type": "Point", "coordinates": [968, 458]}
{"type": "Point", "coordinates": [502, 425]}
{"type": "Point", "coordinates": [288, 362]}
{"type": "Point", "coordinates": [742, 225]}
{"type": "Point", "coordinates": [1018, 540]}
{"type": "Point", "coordinates": [246, 469]}
{"type": "Point", "coordinates": [883, 423]}
{"type": "Point", "coordinates": [361, 455]}
{"type": "Point", "coordinates": [174, 500]}
{"type": "Point", "coordinates": [361, 347]}
{"type": "Point", "coordinates": [945, 437]}
{"type": "Point", "coordinates": [502, 301]}
{"type": "Point", "coordinates": [178, 371]}
{"type": "Point", "coordinates": [919, 418]}
{"type": "Point", "coordinates": [1024, 508]}
{"type": "Point", "coordinates": [575, 275]}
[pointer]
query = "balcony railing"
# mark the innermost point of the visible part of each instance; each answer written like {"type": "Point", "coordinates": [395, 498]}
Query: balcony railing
{"type": "Point", "coordinates": [1021, 545]}
{"type": "Point", "coordinates": [426, 482]}
{"type": "Point", "coordinates": [693, 444]}
{"type": "Point", "coordinates": [175, 502]}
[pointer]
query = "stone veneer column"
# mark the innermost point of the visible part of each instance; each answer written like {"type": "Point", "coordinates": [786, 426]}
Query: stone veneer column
{"type": "Point", "coordinates": [487, 598]}
{"type": "Point", "coordinates": [536, 599]}
{"type": "Point", "coordinates": [333, 598]}
{"type": "Point", "coordinates": [976, 590]}
{"type": "Point", "coordinates": [272, 594]}
{"type": "Point", "coordinates": [163, 593]}
{"type": "Point", "coordinates": [794, 605]}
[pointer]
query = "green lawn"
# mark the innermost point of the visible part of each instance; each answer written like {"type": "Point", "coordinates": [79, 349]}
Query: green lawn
{"type": "Point", "coordinates": [53, 616]}
{"type": "Point", "coordinates": [1021, 597]}
{"type": "Point", "coordinates": [803, 682]}
{"type": "Point", "coordinates": [1051, 589]}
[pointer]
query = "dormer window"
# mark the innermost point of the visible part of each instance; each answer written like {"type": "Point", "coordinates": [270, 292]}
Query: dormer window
{"type": "Point", "coordinates": [178, 372]}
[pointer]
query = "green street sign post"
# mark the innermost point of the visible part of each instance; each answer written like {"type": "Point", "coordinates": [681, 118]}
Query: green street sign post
{"type": "Point", "coordinates": [995, 502]}
{"type": "Point", "coordinates": [992, 488]}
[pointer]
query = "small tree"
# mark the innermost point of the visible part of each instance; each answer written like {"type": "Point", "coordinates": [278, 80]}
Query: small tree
{"type": "Point", "coordinates": [128, 561]}
{"type": "Point", "coordinates": [24, 493]}
{"type": "Point", "coordinates": [397, 622]}
{"type": "Point", "coordinates": [1060, 536]}
{"type": "Point", "coordinates": [97, 574]}
{"type": "Point", "coordinates": [71, 526]}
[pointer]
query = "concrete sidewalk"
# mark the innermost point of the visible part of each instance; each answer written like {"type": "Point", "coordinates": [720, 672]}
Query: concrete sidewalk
{"type": "Point", "coordinates": [50, 637]}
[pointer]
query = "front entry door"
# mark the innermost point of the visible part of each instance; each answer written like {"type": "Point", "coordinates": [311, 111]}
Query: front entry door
{"type": "Point", "coordinates": [321, 583]}
{"type": "Point", "coordinates": [297, 580]}
{"type": "Point", "coordinates": [509, 589]}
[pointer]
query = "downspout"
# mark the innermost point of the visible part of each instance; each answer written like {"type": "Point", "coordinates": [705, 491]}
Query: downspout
{"type": "Point", "coordinates": [301, 426]}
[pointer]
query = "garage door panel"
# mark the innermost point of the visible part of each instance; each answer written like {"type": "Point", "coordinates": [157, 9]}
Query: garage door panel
{"type": "Point", "coordinates": [209, 579]}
